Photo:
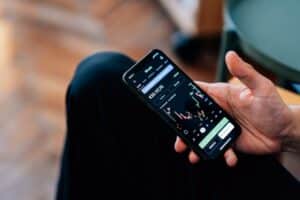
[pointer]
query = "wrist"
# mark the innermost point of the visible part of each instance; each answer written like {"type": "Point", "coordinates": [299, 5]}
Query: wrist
{"type": "Point", "coordinates": [291, 141]}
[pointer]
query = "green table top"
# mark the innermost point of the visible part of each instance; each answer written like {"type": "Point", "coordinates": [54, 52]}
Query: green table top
{"type": "Point", "coordinates": [272, 27]}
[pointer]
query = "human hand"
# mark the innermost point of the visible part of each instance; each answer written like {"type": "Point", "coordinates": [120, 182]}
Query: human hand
{"type": "Point", "coordinates": [264, 118]}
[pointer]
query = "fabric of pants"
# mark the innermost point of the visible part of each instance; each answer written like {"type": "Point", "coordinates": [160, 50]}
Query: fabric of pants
{"type": "Point", "coordinates": [116, 148]}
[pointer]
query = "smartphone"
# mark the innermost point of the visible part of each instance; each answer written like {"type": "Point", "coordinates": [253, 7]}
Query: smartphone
{"type": "Point", "coordinates": [193, 115]}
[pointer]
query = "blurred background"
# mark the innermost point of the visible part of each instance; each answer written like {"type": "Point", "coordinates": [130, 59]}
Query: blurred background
{"type": "Point", "coordinates": [41, 42]}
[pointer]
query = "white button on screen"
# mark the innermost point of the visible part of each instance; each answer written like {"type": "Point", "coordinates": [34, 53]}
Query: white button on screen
{"type": "Point", "coordinates": [225, 131]}
{"type": "Point", "coordinates": [202, 130]}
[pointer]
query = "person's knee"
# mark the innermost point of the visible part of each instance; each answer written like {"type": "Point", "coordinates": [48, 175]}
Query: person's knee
{"type": "Point", "coordinates": [99, 71]}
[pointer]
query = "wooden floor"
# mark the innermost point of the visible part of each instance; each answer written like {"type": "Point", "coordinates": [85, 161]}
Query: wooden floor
{"type": "Point", "coordinates": [37, 60]}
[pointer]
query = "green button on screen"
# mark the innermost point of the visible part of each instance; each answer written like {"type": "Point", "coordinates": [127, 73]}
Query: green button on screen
{"type": "Point", "coordinates": [213, 132]}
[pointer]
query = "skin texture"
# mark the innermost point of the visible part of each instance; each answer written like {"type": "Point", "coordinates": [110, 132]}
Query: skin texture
{"type": "Point", "coordinates": [256, 105]}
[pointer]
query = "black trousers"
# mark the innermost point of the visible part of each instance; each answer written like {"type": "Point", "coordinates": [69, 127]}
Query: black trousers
{"type": "Point", "coordinates": [118, 149]}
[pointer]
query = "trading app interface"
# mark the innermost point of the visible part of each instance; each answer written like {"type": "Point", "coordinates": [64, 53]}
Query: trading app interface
{"type": "Point", "coordinates": [176, 97]}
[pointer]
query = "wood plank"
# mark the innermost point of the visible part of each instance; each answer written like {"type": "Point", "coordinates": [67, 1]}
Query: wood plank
{"type": "Point", "coordinates": [69, 5]}
{"type": "Point", "coordinates": [32, 162]}
{"type": "Point", "coordinates": [38, 13]}
{"type": "Point", "coordinates": [103, 8]}
{"type": "Point", "coordinates": [183, 13]}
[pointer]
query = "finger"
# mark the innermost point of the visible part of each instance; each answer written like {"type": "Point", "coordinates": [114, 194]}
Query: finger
{"type": "Point", "coordinates": [179, 146]}
{"type": "Point", "coordinates": [230, 158]}
{"type": "Point", "coordinates": [193, 157]}
{"type": "Point", "coordinates": [213, 89]}
{"type": "Point", "coordinates": [245, 72]}
{"type": "Point", "coordinates": [218, 91]}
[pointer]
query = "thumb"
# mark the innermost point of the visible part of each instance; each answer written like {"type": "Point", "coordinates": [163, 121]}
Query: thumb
{"type": "Point", "coordinates": [245, 73]}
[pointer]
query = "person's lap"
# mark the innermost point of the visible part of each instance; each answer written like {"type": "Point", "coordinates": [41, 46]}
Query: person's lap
{"type": "Point", "coordinates": [115, 146]}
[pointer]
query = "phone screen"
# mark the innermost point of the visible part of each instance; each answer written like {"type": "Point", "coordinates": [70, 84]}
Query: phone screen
{"type": "Point", "coordinates": [187, 109]}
